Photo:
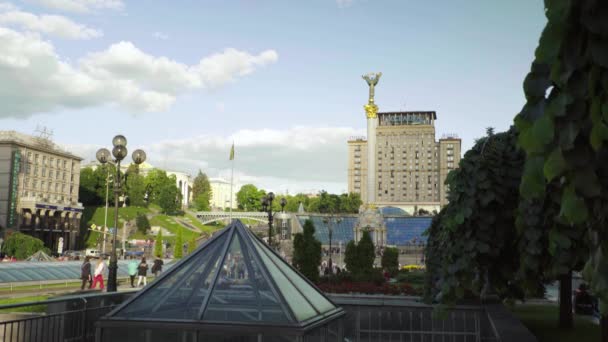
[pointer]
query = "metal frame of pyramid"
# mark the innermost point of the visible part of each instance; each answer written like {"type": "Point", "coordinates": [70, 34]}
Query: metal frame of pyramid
{"type": "Point", "coordinates": [197, 293]}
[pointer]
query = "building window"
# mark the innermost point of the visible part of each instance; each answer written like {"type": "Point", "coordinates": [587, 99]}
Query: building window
{"type": "Point", "coordinates": [43, 160]}
{"type": "Point", "coordinates": [65, 163]}
{"type": "Point", "coordinates": [36, 158]}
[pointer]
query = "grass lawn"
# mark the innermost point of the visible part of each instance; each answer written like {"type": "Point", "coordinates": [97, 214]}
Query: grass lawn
{"type": "Point", "coordinates": [542, 320]}
{"type": "Point", "coordinates": [33, 308]}
{"type": "Point", "coordinates": [169, 223]}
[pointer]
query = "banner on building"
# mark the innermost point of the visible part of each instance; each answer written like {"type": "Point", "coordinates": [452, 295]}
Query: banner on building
{"type": "Point", "coordinates": [14, 188]}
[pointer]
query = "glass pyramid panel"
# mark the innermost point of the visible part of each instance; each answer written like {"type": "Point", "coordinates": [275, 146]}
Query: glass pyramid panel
{"type": "Point", "coordinates": [321, 304]}
{"type": "Point", "coordinates": [242, 293]}
{"type": "Point", "coordinates": [180, 295]}
{"type": "Point", "coordinates": [296, 301]}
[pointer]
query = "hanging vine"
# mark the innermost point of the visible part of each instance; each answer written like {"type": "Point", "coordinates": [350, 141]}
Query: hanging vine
{"type": "Point", "coordinates": [565, 135]}
{"type": "Point", "coordinates": [474, 237]}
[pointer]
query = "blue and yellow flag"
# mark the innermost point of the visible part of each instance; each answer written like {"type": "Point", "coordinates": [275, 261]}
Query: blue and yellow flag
{"type": "Point", "coordinates": [232, 152]}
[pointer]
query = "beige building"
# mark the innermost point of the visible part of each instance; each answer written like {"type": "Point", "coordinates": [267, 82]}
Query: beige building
{"type": "Point", "coordinates": [220, 194]}
{"type": "Point", "coordinates": [411, 165]}
{"type": "Point", "coordinates": [39, 190]}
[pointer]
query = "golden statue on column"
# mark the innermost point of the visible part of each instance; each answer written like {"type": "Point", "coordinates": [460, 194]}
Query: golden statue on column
{"type": "Point", "coordinates": [371, 109]}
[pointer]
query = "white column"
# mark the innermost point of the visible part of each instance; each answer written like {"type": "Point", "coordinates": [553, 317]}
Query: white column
{"type": "Point", "coordinates": [371, 160]}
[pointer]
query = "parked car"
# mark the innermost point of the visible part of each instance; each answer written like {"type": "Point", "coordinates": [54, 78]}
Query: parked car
{"type": "Point", "coordinates": [134, 254]}
{"type": "Point", "coordinates": [73, 254]}
{"type": "Point", "coordinates": [92, 253]}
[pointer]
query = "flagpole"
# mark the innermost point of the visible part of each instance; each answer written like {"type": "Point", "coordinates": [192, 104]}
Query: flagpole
{"type": "Point", "coordinates": [231, 178]}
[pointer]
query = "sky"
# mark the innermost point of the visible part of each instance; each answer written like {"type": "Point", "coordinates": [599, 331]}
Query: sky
{"type": "Point", "coordinates": [281, 79]}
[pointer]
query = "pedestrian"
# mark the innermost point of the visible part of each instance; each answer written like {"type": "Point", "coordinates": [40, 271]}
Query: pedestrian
{"type": "Point", "coordinates": [157, 267]}
{"type": "Point", "coordinates": [142, 271]}
{"type": "Point", "coordinates": [85, 273]}
{"type": "Point", "coordinates": [99, 271]}
{"type": "Point", "coordinates": [132, 268]}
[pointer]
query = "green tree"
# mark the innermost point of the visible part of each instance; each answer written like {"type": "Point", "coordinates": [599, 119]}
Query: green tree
{"type": "Point", "coordinates": [178, 250]}
{"type": "Point", "coordinates": [169, 198]}
{"type": "Point", "coordinates": [307, 252]}
{"type": "Point", "coordinates": [158, 244]}
{"type": "Point", "coordinates": [201, 192]}
{"type": "Point", "coordinates": [142, 223]}
{"type": "Point", "coordinates": [390, 260]}
{"type": "Point", "coordinates": [472, 243]}
{"type": "Point", "coordinates": [135, 186]}
{"type": "Point", "coordinates": [249, 197]}
{"type": "Point", "coordinates": [87, 190]}
{"type": "Point", "coordinates": [191, 245]}
{"type": "Point", "coordinates": [366, 253]}
{"type": "Point", "coordinates": [351, 258]}
{"type": "Point", "coordinates": [21, 245]}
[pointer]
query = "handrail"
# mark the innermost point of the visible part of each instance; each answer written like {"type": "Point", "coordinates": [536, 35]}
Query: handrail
{"type": "Point", "coordinates": [64, 299]}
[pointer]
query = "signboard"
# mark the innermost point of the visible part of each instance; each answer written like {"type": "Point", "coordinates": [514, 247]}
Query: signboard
{"type": "Point", "coordinates": [12, 206]}
{"type": "Point", "coordinates": [60, 246]}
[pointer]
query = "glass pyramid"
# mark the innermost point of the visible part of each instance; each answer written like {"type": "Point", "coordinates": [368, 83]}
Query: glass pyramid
{"type": "Point", "coordinates": [234, 277]}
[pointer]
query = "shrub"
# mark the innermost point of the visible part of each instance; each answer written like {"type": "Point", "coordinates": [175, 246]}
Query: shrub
{"type": "Point", "coordinates": [158, 244]}
{"type": "Point", "coordinates": [390, 260]}
{"type": "Point", "coordinates": [142, 222]}
{"type": "Point", "coordinates": [21, 245]}
{"type": "Point", "coordinates": [307, 252]}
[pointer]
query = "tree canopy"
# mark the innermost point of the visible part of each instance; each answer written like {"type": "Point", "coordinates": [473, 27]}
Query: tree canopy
{"type": "Point", "coordinates": [201, 192]}
{"type": "Point", "coordinates": [307, 252]}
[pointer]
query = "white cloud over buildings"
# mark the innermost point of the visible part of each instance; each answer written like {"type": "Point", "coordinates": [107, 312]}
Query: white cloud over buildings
{"type": "Point", "coordinates": [34, 78]}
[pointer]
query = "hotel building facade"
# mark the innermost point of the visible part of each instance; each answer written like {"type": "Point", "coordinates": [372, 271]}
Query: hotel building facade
{"type": "Point", "coordinates": [410, 164]}
{"type": "Point", "coordinates": [39, 190]}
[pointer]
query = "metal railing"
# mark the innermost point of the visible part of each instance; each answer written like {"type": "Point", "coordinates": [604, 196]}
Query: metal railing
{"type": "Point", "coordinates": [68, 319]}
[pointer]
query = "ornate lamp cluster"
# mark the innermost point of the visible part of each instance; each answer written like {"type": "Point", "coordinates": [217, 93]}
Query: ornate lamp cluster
{"type": "Point", "coordinates": [119, 152]}
{"type": "Point", "coordinates": [267, 207]}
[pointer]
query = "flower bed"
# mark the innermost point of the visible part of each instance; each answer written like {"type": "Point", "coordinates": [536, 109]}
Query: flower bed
{"type": "Point", "coordinates": [369, 288]}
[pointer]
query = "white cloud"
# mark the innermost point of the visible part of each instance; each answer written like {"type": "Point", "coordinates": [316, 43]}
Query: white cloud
{"type": "Point", "coordinates": [297, 159]}
{"type": "Point", "coordinates": [54, 25]}
{"type": "Point", "coordinates": [160, 36]}
{"type": "Point", "coordinates": [34, 78]}
{"type": "Point", "coordinates": [344, 3]}
{"type": "Point", "coordinates": [5, 6]}
{"type": "Point", "coordinates": [81, 6]}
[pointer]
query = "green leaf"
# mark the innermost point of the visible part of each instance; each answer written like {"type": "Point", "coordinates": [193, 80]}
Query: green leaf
{"type": "Point", "coordinates": [560, 239]}
{"type": "Point", "coordinates": [567, 135]}
{"type": "Point", "coordinates": [599, 133]}
{"type": "Point", "coordinates": [557, 10]}
{"type": "Point", "coordinates": [549, 43]}
{"type": "Point", "coordinates": [533, 179]}
{"type": "Point", "coordinates": [557, 105]}
{"type": "Point", "coordinates": [573, 208]}
{"type": "Point", "coordinates": [459, 218]}
{"type": "Point", "coordinates": [596, 110]}
{"type": "Point", "coordinates": [605, 111]}
{"type": "Point", "coordinates": [599, 50]}
{"type": "Point", "coordinates": [555, 165]}
{"type": "Point", "coordinates": [543, 130]}
{"type": "Point", "coordinates": [535, 85]}
{"type": "Point", "coordinates": [586, 182]}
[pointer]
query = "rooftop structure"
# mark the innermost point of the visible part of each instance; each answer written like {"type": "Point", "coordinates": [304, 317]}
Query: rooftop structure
{"type": "Point", "coordinates": [233, 285]}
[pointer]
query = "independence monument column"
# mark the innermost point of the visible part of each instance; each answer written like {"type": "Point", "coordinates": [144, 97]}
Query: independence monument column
{"type": "Point", "coordinates": [371, 111]}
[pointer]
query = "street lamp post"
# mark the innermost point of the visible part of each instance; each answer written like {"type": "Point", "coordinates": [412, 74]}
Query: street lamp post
{"type": "Point", "coordinates": [329, 221]}
{"type": "Point", "coordinates": [103, 156]}
{"type": "Point", "coordinates": [267, 207]}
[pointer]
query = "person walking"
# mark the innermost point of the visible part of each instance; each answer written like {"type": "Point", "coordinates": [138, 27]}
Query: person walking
{"type": "Point", "coordinates": [85, 273]}
{"type": "Point", "coordinates": [132, 268]}
{"type": "Point", "coordinates": [157, 267]}
{"type": "Point", "coordinates": [99, 271]}
{"type": "Point", "coordinates": [142, 271]}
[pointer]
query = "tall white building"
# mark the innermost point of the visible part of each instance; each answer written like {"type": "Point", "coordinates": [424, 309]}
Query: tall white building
{"type": "Point", "coordinates": [220, 193]}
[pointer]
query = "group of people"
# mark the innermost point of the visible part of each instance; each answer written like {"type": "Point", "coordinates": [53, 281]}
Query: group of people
{"type": "Point", "coordinates": [134, 269]}
{"type": "Point", "coordinates": [8, 258]}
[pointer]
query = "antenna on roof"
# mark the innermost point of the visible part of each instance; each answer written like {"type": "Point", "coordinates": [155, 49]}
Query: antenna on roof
{"type": "Point", "coordinates": [45, 135]}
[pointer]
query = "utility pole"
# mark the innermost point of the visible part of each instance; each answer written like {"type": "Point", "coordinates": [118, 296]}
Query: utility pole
{"type": "Point", "coordinates": [124, 239]}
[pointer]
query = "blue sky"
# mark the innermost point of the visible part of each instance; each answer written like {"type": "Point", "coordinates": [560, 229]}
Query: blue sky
{"type": "Point", "coordinates": [289, 92]}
